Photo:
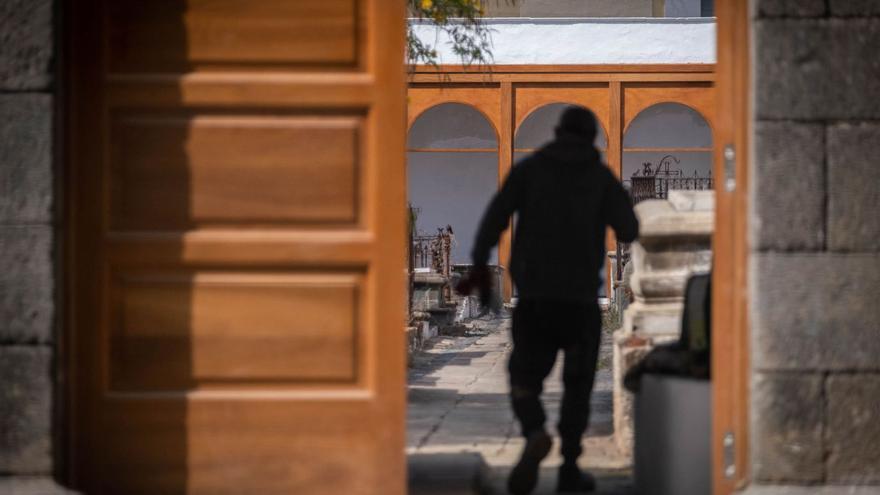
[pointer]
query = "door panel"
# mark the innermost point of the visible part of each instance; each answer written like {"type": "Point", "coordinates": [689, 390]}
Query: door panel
{"type": "Point", "coordinates": [236, 204]}
{"type": "Point", "coordinates": [233, 169]}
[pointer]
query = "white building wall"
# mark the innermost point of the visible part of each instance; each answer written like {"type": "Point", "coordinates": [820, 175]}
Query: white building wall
{"type": "Point", "coordinates": [588, 41]}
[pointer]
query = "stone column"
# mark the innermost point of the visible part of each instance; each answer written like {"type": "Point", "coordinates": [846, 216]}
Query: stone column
{"type": "Point", "coordinates": [674, 242]}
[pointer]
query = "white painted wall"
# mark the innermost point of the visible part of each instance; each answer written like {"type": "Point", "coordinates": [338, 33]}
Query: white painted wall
{"type": "Point", "coordinates": [589, 41]}
{"type": "Point", "coordinates": [454, 189]}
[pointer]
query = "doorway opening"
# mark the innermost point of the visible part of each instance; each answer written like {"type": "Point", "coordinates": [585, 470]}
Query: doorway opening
{"type": "Point", "coordinates": [658, 124]}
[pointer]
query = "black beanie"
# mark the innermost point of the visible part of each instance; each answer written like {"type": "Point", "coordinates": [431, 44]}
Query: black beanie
{"type": "Point", "coordinates": [578, 121]}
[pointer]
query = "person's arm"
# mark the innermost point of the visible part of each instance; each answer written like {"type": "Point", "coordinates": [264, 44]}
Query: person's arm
{"type": "Point", "coordinates": [497, 216]}
{"type": "Point", "coordinates": [618, 211]}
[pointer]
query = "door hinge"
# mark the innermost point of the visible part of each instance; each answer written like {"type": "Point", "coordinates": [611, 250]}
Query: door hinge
{"type": "Point", "coordinates": [729, 448]}
{"type": "Point", "coordinates": [729, 168]}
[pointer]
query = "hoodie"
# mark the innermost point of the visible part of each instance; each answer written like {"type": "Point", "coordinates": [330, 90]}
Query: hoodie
{"type": "Point", "coordinates": [563, 198]}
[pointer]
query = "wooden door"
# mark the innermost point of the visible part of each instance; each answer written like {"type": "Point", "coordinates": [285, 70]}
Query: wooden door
{"type": "Point", "coordinates": [236, 254]}
{"type": "Point", "coordinates": [730, 330]}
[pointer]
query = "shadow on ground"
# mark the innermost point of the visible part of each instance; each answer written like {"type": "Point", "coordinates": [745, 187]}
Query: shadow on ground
{"type": "Point", "coordinates": [468, 473]}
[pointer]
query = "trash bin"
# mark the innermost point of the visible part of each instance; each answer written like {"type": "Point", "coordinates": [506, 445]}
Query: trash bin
{"type": "Point", "coordinates": [672, 406]}
{"type": "Point", "coordinates": [673, 436]}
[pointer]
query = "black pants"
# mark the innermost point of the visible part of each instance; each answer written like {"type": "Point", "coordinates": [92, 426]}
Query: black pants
{"type": "Point", "coordinates": [541, 328]}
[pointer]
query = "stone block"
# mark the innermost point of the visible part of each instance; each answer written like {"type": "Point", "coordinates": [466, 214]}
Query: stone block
{"type": "Point", "coordinates": [817, 68]}
{"type": "Point", "coordinates": [852, 436]}
{"type": "Point", "coordinates": [25, 410]}
{"type": "Point", "coordinates": [854, 70]}
{"type": "Point", "coordinates": [790, 8]}
{"type": "Point", "coordinates": [27, 305]}
{"type": "Point", "coordinates": [815, 311]}
{"type": "Point", "coordinates": [787, 428]}
{"type": "Point", "coordinates": [661, 220]}
{"type": "Point", "coordinates": [791, 67]}
{"type": "Point", "coordinates": [853, 188]}
{"type": "Point", "coordinates": [25, 158]}
{"type": "Point", "coordinates": [855, 7]}
{"type": "Point", "coordinates": [788, 202]}
{"type": "Point", "coordinates": [26, 44]}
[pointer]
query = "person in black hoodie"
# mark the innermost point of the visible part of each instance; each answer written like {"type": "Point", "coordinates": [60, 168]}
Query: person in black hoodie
{"type": "Point", "coordinates": [564, 198]}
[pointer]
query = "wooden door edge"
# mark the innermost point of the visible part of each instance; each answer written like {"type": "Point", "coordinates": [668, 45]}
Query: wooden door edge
{"type": "Point", "coordinates": [730, 344]}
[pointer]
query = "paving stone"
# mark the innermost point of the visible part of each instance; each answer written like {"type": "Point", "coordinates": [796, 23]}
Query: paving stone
{"type": "Point", "coordinates": [790, 8]}
{"type": "Point", "coordinates": [27, 303]}
{"type": "Point", "coordinates": [787, 428]}
{"type": "Point", "coordinates": [456, 410]}
{"type": "Point", "coordinates": [855, 7]}
{"type": "Point", "coordinates": [852, 437]}
{"type": "Point", "coordinates": [25, 158]}
{"type": "Point", "coordinates": [791, 67]}
{"type": "Point", "coordinates": [788, 211]}
{"type": "Point", "coordinates": [815, 311]}
{"type": "Point", "coordinates": [853, 223]}
{"type": "Point", "coordinates": [25, 410]}
{"type": "Point", "coordinates": [25, 44]}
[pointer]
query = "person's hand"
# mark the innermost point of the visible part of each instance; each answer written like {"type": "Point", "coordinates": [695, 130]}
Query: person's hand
{"type": "Point", "coordinates": [478, 279]}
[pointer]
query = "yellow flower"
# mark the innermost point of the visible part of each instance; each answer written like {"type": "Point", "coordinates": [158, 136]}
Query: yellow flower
{"type": "Point", "coordinates": [427, 4]}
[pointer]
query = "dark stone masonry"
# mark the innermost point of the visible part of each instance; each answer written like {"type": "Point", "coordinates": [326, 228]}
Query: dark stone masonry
{"type": "Point", "coordinates": [815, 242]}
{"type": "Point", "coordinates": [28, 301]}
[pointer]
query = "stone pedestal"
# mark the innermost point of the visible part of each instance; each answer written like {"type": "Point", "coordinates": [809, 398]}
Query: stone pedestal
{"type": "Point", "coordinates": [674, 242]}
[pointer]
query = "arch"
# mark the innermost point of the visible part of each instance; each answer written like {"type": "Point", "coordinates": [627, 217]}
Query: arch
{"type": "Point", "coordinates": [486, 100]}
{"type": "Point", "coordinates": [452, 170]}
{"type": "Point", "coordinates": [669, 132]}
{"type": "Point", "coordinates": [541, 120]}
{"type": "Point", "coordinates": [676, 110]}
{"type": "Point", "coordinates": [438, 127]}
{"type": "Point", "coordinates": [698, 97]}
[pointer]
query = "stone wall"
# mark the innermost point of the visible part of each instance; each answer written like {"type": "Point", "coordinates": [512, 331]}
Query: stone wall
{"type": "Point", "coordinates": [815, 244]}
{"type": "Point", "coordinates": [28, 234]}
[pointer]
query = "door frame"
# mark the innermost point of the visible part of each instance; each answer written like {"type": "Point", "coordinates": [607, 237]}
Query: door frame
{"type": "Point", "coordinates": [730, 322]}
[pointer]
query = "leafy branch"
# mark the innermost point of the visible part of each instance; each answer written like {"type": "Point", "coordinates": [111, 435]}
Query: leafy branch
{"type": "Point", "coordinates": [461, 21]}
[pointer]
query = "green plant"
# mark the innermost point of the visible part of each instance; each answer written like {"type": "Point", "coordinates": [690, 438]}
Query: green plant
{"type": "Point", "coordinates": [461, 20]}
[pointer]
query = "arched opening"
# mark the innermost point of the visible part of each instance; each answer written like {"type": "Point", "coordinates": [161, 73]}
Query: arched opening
{"type": "Point", "coordinates": [452, 173]}
{"type": "Point", "coordinates": [538, 129]}
{"type": "Point", "coordinates": [672, 143]}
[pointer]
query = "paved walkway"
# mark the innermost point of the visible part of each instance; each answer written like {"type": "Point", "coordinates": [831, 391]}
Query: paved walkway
{"type": "Point", "coordinates": [462, 437]}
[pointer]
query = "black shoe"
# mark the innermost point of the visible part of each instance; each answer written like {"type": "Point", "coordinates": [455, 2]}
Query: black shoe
{"type": "Point", "coordinates": [524, 476]}
{"type": "Point", "coordinates": [573, 480]}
